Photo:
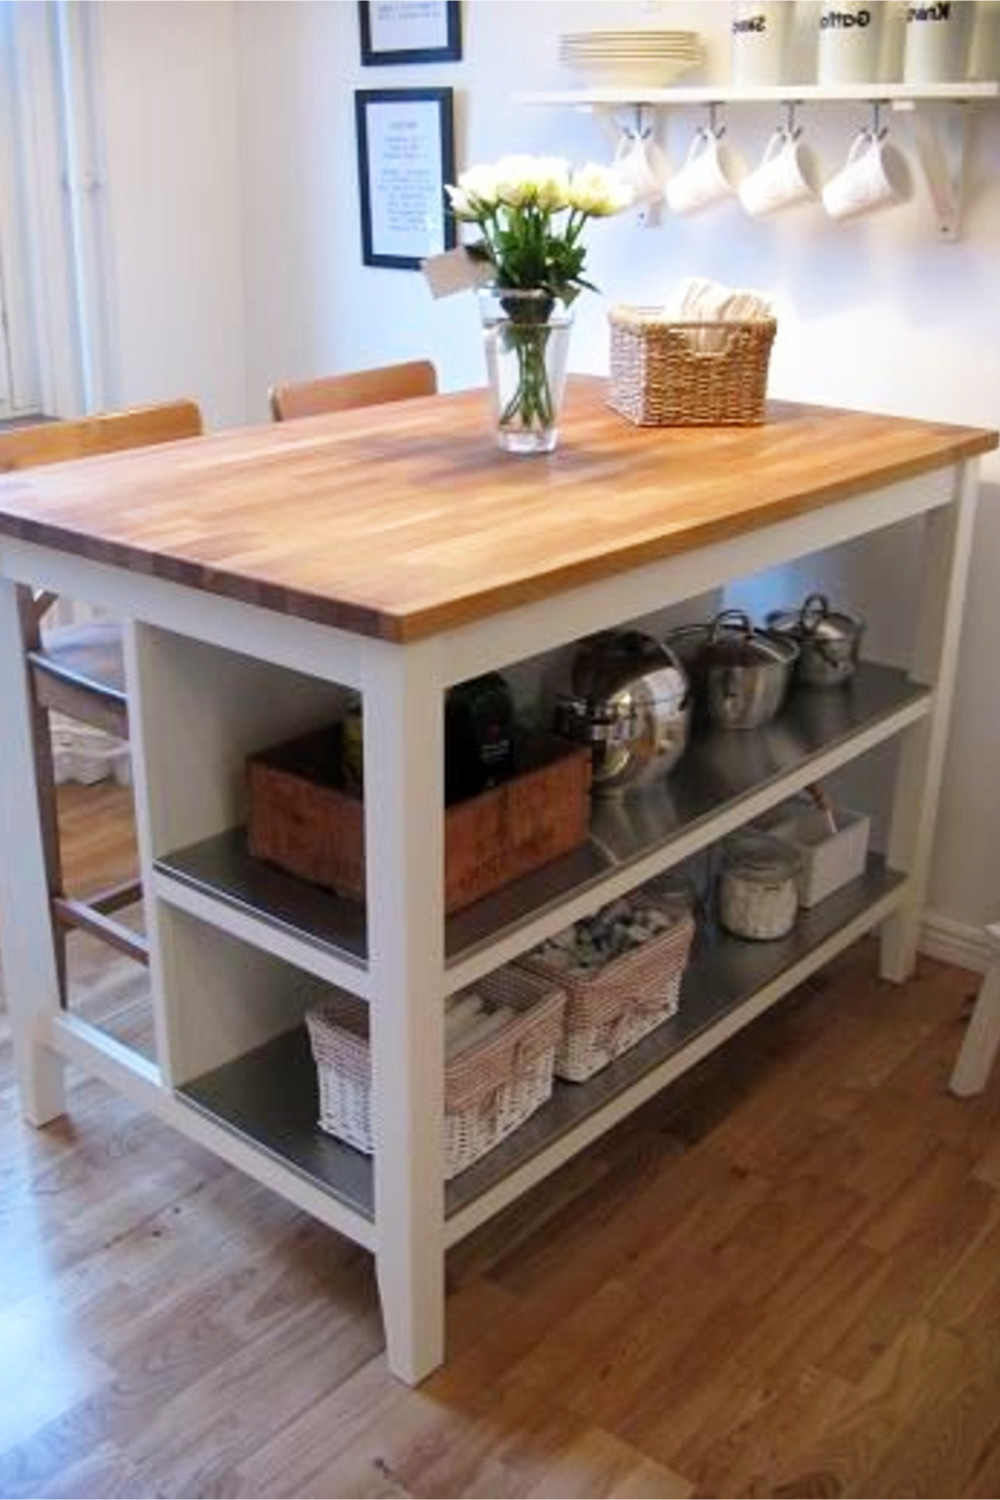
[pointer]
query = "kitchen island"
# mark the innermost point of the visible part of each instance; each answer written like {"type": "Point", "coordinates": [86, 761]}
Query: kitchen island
{"type": "Point", "coordinates": [393, 551]}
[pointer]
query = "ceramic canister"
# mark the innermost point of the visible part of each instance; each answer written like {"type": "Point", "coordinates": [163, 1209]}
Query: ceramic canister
{"type": "Point", "coordinates": [937, 41]}
{"type": "Point", "coordinates": [758, 42]}
{"type": "Point", "coordinates": [849, 41]}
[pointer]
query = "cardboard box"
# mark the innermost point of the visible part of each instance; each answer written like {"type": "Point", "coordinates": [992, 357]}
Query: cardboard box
{"type": "Point", "coordinates": [829, 860]}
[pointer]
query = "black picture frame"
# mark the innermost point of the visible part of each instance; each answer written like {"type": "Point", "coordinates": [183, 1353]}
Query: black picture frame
{"type": "Point", "coordinates": [409, 31]}
{"type": "Point", "coordinates": [406, 155]}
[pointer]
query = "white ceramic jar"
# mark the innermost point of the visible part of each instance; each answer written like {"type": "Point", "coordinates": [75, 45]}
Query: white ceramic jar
{"type": "Point", "coordinates": [937, 43]}
{"type": "Point", "coordinates": [758, 42]}
{"type": "Point", "coordinates": [849, 41]}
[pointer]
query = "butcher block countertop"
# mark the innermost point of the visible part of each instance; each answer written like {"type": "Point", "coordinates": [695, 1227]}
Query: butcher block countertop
{"type": "Point", "coordinates": [402, 521]}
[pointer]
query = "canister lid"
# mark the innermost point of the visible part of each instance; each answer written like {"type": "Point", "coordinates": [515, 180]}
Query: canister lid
{"type": "Point", "coordinates": [760, 856]}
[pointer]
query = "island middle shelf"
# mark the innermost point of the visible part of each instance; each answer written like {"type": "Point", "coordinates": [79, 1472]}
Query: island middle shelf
{"type": "Point", "coordinates": [723, 780]}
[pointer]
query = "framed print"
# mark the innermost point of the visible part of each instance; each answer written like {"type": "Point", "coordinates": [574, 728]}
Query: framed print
{"type": "Point", "coordinates": [409, 31]}
{"type": "Point", "coordinates": [406, 154]}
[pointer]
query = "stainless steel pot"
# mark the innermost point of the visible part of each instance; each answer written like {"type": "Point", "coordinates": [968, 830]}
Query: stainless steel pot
{"type": "Point", "coordinates": [829, 640]}
{"type": "Point", "coordinates": [630, 702]}
{"type": "Point", "coordinates": [740, 674]}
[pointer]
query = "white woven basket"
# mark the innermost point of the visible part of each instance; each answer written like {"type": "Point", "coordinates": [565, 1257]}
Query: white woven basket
{"type": "Point", "coordinates": [490, 1088]}
{"type": "Point", "coordinates": [611, 1008]}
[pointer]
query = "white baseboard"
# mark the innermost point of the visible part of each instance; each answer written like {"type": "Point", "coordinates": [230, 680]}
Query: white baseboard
{"type": "Point", "coordinates": [961, 943]}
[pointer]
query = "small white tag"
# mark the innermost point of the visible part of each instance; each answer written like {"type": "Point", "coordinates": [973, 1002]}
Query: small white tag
{"type": "Point", "coordinates": [455, 271]}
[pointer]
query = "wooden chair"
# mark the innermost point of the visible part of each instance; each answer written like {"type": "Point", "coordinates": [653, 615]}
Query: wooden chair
{"type": "Point", "coordinates": [311, 398]}
{"type": "Point", "coordinates": [78, 670]}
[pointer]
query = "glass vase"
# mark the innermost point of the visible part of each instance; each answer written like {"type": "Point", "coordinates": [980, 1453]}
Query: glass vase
{"type": "Point", "coordinates": [526, 337]}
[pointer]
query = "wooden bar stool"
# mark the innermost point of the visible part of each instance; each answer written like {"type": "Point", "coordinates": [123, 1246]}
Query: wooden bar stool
{"type": "Point", "coordinates": [78, 670]}
{"type": "Point", "coordinates": [311, 398]}
{"type": "Point", "coordinates": [982, 1037]}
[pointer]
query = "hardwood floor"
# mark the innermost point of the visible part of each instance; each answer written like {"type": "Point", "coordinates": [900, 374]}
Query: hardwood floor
{"type": "Point", "coordinates": [781, 1278]}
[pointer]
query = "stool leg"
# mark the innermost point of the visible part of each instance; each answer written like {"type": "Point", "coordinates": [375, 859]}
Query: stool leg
{"type": "Point", "coordinates": [40, 726]}
{"type": "Point", "coordinates": [48, 818]}
{"type": "Point", "coordinates": [982, 1039]}
{"type": "Point", "coordinates": [29, 966]}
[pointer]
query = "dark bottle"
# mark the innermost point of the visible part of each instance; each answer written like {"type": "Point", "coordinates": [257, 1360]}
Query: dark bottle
{"type": "Point", "coordinates": [478, 736]}
{"type": "Point", "coordinates": [352, 751]}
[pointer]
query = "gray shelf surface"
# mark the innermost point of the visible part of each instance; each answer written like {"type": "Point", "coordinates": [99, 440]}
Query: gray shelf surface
{"type": "Point", "coordinates": [269, 1096]}
{"type": "Point", "coordinates": [718, 770]}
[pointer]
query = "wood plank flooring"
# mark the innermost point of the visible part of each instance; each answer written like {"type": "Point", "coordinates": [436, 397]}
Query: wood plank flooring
{"type": "Point", "coordinates": [781, 1278]}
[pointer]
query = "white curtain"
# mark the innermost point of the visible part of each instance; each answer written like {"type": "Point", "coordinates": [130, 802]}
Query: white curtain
{"type": "Point", "coordinates": [58, 164]}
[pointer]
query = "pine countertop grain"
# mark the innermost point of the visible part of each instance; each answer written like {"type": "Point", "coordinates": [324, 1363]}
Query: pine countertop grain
{"type": "Point", "coordinates": [402, 521]}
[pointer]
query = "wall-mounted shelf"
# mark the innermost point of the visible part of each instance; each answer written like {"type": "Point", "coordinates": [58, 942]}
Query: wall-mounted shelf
{"type": "Point", "coordinates": [939, 112]}
{"type": "Point", "coordinates": [900, 95]}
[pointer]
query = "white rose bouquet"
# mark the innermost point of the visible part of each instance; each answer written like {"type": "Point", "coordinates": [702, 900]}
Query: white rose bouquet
{"type": "Point", "coordinates": [531, 212]}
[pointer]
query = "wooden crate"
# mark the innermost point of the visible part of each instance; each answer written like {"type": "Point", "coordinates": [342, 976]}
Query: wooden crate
{"type": "Point", "coordinates": [301, 820]}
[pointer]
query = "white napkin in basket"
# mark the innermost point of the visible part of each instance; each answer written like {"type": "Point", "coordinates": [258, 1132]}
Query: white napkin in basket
{"type": "Point", "coordinates": [695, 299]}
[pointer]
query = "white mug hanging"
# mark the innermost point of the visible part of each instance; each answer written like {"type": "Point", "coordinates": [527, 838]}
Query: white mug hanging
{"type": "Point", "coordinates": [641, 165]}
{"type": "Point", "coordinates": [787, 176]}
{"type": "Point", "coordinates": [708, 175]}
{"type": "Point", "coordinates": [876, 175]}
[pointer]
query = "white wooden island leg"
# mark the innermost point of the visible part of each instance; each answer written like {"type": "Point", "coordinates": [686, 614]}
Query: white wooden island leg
{"type": "Point", "coordinates": [946, 551]}
{"type": "Point", "coordinates": [27, 952]}
{"type": "Point", "coordinates": [404, 833]}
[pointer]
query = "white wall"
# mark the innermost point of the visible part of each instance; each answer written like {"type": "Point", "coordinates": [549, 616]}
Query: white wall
{"type": "Point", "coordinates": [166, 95]}
{"type": "Point", "coordinates": [881, 315]}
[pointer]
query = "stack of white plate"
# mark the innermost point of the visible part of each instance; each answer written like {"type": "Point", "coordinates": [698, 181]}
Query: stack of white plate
{"type": "Point", "coordinates": [648, 58]}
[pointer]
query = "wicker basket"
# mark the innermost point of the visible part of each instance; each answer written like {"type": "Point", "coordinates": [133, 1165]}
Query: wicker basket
{"type": "Point", "coordinates": [662, 375]}
{"type": "Point", "coordinates": [609, 1009]}
{"type": "Point", "coordinates": [491, 1087]}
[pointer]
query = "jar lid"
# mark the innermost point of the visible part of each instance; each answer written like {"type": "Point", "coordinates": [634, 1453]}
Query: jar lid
{"type": "Point", "coordinates": [760, 856]}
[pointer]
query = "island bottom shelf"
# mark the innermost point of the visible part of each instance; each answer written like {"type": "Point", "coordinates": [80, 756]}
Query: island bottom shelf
{"type": "Point", "coordinates": [269, 1096]}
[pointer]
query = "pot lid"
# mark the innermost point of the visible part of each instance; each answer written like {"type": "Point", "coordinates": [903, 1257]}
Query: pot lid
{"type": "Point", "coordinates": [816, 621]}
{"type": "Point", "coordinates": [618, 673]}
{"type": "Point", "coordinates": [732, 641]}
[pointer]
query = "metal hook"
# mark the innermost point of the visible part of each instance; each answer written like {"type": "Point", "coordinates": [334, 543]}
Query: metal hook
{"type": "Point", "coordinates": [638, 129]}
{"type": "Point", "coordinates": [792, 128]}
{"type": "Point", "coordinates": [714, 116]}
{"type": "Point", "coordinates": [878, 130]}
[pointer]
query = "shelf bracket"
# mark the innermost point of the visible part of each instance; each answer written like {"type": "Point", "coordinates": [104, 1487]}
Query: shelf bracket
{"type": "Point", "coordinates": [940, 132]}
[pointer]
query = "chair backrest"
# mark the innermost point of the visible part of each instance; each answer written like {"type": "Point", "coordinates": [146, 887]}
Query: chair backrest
{"type": "Point", "coordinates": [109, 432]}
{"type": "Point", "coordinates": [310, 398]}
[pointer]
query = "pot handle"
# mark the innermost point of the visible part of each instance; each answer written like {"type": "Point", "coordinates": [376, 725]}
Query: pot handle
{"type": "Point", "coordinates": [813, 612]}
{"type": "Point", "coordinates": [731, 619]}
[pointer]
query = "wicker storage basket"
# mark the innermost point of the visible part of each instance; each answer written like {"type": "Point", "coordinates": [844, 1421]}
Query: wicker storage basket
{"type": "Point", "coordinates": [491, 1087]}
{"type": "Point", "coordinates": [662, 375]}
{"type": "Point", "coordinates": [611, 1008]}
